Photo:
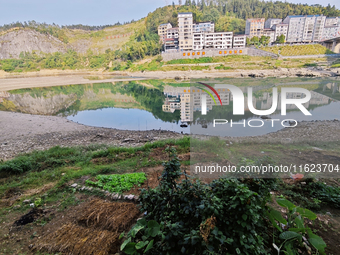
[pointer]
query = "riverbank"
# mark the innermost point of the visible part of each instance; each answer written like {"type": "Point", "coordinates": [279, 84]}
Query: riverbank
{"type": "Point", "coordinates": [22, 133]}
{"type": "Point", "coordinates": [59, 78]}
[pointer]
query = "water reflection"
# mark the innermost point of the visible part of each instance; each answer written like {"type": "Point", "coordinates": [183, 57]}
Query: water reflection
{"type": "Point", "coordinates": [157, 104]}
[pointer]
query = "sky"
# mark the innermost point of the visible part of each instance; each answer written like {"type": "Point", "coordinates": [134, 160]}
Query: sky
{"type": "Point", "coordinates": [90, 12]}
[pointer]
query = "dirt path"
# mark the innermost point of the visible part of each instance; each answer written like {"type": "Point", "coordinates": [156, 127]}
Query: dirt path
{"type": "Point", "coordinates": [50, 78]}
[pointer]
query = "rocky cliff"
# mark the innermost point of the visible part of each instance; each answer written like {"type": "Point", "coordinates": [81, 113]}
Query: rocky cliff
{"type": "Point", "coordinates": [15, 42]}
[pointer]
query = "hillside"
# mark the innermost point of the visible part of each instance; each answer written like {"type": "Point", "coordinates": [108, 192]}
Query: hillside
{"type": "Point", "coordinates": [17, 40]}
{"type": "Point", "coordinates": [22, 40]}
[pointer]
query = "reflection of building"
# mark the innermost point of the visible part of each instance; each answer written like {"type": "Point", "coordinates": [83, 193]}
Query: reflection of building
{"type": "Point", "coordinates": [334, 87]}
{"type": "Point", "coordinates": [188, 99]}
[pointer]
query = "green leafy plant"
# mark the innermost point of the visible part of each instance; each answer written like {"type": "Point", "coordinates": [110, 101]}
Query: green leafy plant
{"type": "Point", "coordinates": [147, 234]}
{"type": "Point", "coordinates": [198, 218]}
{"type": "Point", "coordinates": [292, 231]}
{"type": "Point", "coordinates": [118, 182]}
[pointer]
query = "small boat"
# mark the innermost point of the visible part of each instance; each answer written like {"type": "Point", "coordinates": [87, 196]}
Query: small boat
{"type": "Point", "coordinates": [184, 124]}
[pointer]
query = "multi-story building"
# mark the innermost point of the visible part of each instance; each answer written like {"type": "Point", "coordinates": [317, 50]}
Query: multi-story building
{"type": "Point", "coordinates": [280, 29]}
{"type": "Point", "coordinates": [171, 41]}
{"type": "Point", "coordinates": [163, 30]}
{"type": "Point", "coordinates": [185, 34]}
{"type": "Point", "coordinates": [271, 22]}
{"type": "Point", "coordinates": [172, 33]}
{"type": "Point", "coordinates": [239, 41]}
{"type": "Point", "coordinates": [270, 33]}
{"type": "Point", "coordinates": [170, 44]}
{"type": "Point", "coordinates": [305, 28]}
{"type": "Point", "coordinates": [330, 32]}
{"type": "Point", "coordinates": [332, 21]}
{"type": "Point", "coordinates": [218, 40]}
{"type": "Point", "coordinates": [254, 27]}
{"type": "Point", "coordinates": [331, 29]}
{"type": "Point", "coordinates": [295, 28]}
{"type": "Point", "coordinates": [318, 27]}
{"type": "Point", "coordinates": [198, 43]}
{"type": "Point", "coordinates": [204, 27]}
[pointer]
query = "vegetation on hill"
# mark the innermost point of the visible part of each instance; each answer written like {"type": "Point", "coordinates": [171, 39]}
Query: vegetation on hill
{"type": "Point", "coordinates": [297, 50]}
{"type": "Point", "coordinates": [105, 50]}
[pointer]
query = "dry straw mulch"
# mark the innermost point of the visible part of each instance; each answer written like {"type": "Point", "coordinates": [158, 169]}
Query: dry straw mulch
{"type": "Point", "coordinates": [74, 239]}
{"type": "Point", "coordinates": [115, 217]}
{"type": "Point", "coordinates": [96, 230]}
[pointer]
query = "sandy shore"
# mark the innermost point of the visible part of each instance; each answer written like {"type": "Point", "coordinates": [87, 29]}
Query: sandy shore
{"type": "Point", "coordinates": [22, 133]}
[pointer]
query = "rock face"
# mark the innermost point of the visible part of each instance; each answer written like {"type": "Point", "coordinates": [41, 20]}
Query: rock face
{"type": "Point", "coordinates": [15, 42]}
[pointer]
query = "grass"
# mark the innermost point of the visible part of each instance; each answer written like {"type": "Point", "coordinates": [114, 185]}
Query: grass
{"type": "Point", "coordinates": [299, 50]}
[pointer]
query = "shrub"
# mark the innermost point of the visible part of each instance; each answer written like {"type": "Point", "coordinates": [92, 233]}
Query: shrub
{"type": "Point", "coordinates": [224, 217]}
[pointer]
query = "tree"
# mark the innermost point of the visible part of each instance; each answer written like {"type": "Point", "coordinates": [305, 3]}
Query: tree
{"type": "Point", "coordinates": [281, 39]}
{"type": "Point", "coordinates": [265, 40]}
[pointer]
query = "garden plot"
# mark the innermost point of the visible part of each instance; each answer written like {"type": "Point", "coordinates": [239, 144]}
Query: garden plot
{"type": "Point", "coordinates": [96, 230]}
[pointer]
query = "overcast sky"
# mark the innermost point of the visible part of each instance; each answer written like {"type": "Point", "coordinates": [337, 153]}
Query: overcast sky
{"type": "Point", "coordinates": [90, 12]}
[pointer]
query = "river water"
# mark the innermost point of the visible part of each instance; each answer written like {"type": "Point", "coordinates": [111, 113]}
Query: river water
{"type": "Point", "coordinates": [170, 105]}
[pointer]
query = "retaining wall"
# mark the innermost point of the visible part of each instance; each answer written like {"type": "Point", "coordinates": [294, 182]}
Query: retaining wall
{"type": "Point", "coordinates": [167, 56]}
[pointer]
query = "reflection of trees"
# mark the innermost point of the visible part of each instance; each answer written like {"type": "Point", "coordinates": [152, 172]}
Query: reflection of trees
{"type": "Point", "coordinates": [149, 98]}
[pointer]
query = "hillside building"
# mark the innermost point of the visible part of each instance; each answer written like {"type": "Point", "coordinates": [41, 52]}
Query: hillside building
{"type": "Point", "coordinates": [271, 22]}
{"type": "Point", "coordinates": [204, 27]}
{"type": "Point", "coordinates": [163, 30]}
{"type": "Point", "coordinates": [239, 41]}
{"type": "Point", "coordinates": [185, 33]}
{"type": "Point", "coordinates": [280, 29]}
{"type": "Point", "coordinates": [254, 27]}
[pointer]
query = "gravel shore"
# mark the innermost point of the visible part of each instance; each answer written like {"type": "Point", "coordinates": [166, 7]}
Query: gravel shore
{"type": "Point", "coordinates": [22, 133]}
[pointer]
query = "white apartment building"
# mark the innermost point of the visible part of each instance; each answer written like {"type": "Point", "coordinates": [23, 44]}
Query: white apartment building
{"type": "Point", "coordinates": [204, 27]}
{"type": "Point", "coordinates": [330, 32]}
{"type": "Point", "coordinates": [331, 29]}
{"type": "Point", "coordinates": [280, 29]}
{"type": "Point", "coordinates": [332, 21]}
{"type": "Point", "coordinates": [172, 33]}
{"type": "Point", "coordinates": [318, 28]}
{"type": "Point", "coordinates": [295, 28]}
{"type": "Point", "coordinates": [270, 33]}
{"type": "Point", "coordinates": [163, 30]}
{"type": "Point", "coordinates": [185, 33]}
{"type": "Point", "coordinates": [198, 42]}
{"type": "Point", "coordinates": [271, 22]}
{"type": "Point", "coordinates": [218, 40]}
{"type": "Point", "coordinates": [239, 41]}
{"type": "Point", "coordinates": [305, 28]}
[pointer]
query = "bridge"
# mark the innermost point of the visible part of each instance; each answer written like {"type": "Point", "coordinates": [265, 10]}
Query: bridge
{"type": "Point", "coordinates": [332, 44]}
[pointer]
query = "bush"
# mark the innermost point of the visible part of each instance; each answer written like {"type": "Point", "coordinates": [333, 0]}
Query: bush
{"type": "Point", "coordinates": [224, 217]}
